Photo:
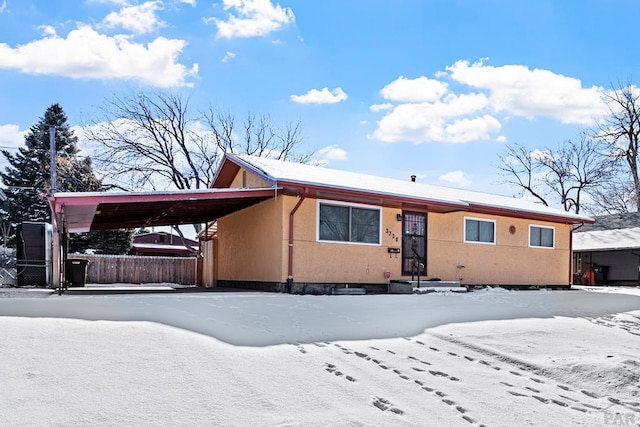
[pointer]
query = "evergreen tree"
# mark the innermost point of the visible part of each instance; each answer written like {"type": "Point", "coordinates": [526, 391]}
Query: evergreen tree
{"type": "Point", "coordinates": [28, 181]}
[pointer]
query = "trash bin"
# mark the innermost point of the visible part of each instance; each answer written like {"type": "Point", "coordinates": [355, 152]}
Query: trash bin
{"type": "Point", "coordinates": [601, 274]}
{"type": "Point", "coordinates": [75, 271]}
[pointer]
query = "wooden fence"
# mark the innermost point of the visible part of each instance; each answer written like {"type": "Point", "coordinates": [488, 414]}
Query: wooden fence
{"type": "Point", "coordinates": [139, 269]}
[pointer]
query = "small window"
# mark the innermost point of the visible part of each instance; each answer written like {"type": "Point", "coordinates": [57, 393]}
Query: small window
{"type": "Point", "coordinates": [479, 230]}
{"type": "Point", "coordinates": [347, 223]}
{"type": "Point", "coordinates": [542, 237]}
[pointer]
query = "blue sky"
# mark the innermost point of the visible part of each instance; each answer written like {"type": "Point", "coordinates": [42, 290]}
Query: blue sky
{"type": "Point", "coordinates": [433, 88]}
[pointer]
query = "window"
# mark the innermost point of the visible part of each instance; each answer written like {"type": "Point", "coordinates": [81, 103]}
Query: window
{"type": "Point", "coordinates": [479, 231]}
{"type": "Point", "coordinates": [348, 223]}
{"type": "Point", "coordinates": [541, 236]}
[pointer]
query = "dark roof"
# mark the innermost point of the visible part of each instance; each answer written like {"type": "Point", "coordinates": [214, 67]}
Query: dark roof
{"type": "Point", "coordinates": [613, 222]}
{"type": "Point", "coordinates": [81, 212]}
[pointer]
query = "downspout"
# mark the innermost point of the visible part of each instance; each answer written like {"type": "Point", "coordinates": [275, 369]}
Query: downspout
{"type": "Point", "coordinates": [571, 253]}
{"type": "Point", "coordinates": [290, 265]}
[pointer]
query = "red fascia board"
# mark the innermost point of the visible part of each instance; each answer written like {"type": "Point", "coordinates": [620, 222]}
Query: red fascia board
{"type": "Point", "coordinates": [229, 168]}
{"type": "Point", "coordinates": [91, 199]}
{"type": "Point", "coordinates": [536, 216]}
{"type": "Point", "coordinates": [382, 199]}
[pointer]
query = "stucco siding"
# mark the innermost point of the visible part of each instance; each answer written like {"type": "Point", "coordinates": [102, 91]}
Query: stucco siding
{"type": "Point", "coordinates": [337, 262]}
{"type": "Point", "coordinates": [253, 246]}
{"type": "Point", "coordinates": [249, 243]}
{"type": "Point", "coordinates": [509, 261]}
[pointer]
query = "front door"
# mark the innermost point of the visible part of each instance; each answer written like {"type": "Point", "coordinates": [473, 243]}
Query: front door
{"type": "Point", "coordinates": [414, 243]}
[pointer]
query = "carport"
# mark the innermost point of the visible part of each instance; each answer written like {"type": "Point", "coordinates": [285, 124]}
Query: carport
{"type": "Point", "coordinates": [83, 212]}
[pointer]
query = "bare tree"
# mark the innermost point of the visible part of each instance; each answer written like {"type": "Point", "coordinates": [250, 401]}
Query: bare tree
{"type": "Point", "coordinates": [621, 130]}
{"type": "Point", "coordinates": [156, 142]}
{"type": "Point", "coordinates": [523, 170]}
{"type": "Point", "coordinates": [577, 167]}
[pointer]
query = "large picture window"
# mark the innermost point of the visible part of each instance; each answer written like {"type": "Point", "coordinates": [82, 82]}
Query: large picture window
{"type": "Point", "coordinates": [479, 230]}
{"type": "Point", "coordinates": [542, 237]}
{"type": "Point", "coordinates": [348, 223]}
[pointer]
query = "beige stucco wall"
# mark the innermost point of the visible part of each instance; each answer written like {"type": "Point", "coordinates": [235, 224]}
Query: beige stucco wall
{"type": "Point", "coordinates": [253, 246]}
{"type": "Point", "coordinates": [249, 243]}
{"type": "Point", "coordinates": [509, 261]}
{"type": "Point", "coordinates": [332, 262]}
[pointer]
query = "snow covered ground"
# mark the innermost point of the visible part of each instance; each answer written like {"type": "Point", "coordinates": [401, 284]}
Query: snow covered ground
{"type": "Point", "coordinates": [490, 357]}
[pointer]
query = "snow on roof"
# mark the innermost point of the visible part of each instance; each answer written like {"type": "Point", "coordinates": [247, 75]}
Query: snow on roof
{"type": "Point", "coordinates": [278, 170]}
{"type": "Point", "coordinates": [600, 240]}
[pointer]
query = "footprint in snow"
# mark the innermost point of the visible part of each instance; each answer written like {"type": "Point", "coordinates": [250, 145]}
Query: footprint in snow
{"type": "Point", "coordinates": [537, 380]}
{"type": "Point", "coordinates": [559, 402]}
{"type": "Point", "coordinates": [589, 393]}
{"type": "Point", "coordinates": [433, 348]}
{"type": "Point", "coordinates": [579, 409]}
{"type": "Point", "coordinates": [468, 419]}
{"type": "Point", "coordinates": [515, 373]}
{"type": "Point", "coordinates": [507, 384]}
{"type": "Point", "coordinates": [452, 354]}
{"type": "Point", "coordinates": [592, 406]}
{"type": "Point", "coordinates": [515, 393]}
{"type": "Point", "coordinates": [532, 389]}
{"type": "Point", "coordinates": [564, 387]}
{"type": "Point", "coordinates": [541, 399]}
{"type": "Point", "coordinates": [438, 374]}
{"type": "Point", "coordinates": [568, 398]}
{"type": "Point", "coordinates": [373, 348]}
{"type": "Point", "coordinates": [363, 355]}
{"type": "Point", "coordinates": [384, 405]}
{"type": "Point", "coordinates": [470, 359]}
{"type": "Point", "coordinates": [449, 402]}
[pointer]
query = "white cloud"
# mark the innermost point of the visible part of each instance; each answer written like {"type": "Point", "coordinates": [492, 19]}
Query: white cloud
{"type": "Point", "coordinates": [457, 178]}
{"type": "Point", "coordinates": [430, 109]}
{"type": "Point", "coordinates": [140, 19]}
{"type": "Point", "coordinates": [252, 18]}
{"type": "Point", "coordinates": [381, 107]}
{"type": "Point", "coordinates": [3, 7]}
{"type": "Point", "coordinates": [11, 136]}
{"type": "Point", "coordinates": [323, 96]}
{"type": "Point", "coordinates": [332, 152]}
{"type": "Point", "coordinates": [421, 89]}
{"type": "Point", "coordinates": [228, 56]}
{"type": "Point", "coordinates": [189, 2]}
{"type": "Point", "coordinates": [530, 93]}
{"type": "Point", "coordinates": [84, 53]}
{"type": "Point", "coordinates": [47, 30]}
{"type": "Point", "coordinates": [442, 121]}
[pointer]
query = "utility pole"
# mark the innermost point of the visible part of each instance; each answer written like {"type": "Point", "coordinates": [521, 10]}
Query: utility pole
{"type": "Point", "coordinates": [56, 261]}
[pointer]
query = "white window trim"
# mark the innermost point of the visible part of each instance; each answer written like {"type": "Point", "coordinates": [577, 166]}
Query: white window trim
{"type": "Point", "coordinates": [542, 226]}
{"type": "Point", "coordinates": [356, 205]}
{"type": "Point", "coordinates": [464, 231]}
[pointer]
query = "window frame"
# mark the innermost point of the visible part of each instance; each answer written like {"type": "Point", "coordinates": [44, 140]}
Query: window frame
{"type": "Point", "coordinates": [480, 242]}
{"type": "Point", "coordinates": [548, 227]}
{"type": "Point", "coordinates": [378, 209]}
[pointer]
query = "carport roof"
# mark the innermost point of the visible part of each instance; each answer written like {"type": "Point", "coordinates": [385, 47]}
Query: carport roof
{"type": "Point", "coordinates": [81, 212]}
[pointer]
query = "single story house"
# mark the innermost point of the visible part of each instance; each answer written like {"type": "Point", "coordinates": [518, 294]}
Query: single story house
{"type": "Point", "coordinates": [324, 228]}
{"type": "Point", "coordinates": [608, 251]}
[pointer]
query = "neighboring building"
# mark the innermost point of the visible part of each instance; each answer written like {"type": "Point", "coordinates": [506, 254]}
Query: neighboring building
{"type": "Point", "coordinates": [608, 251]}
{"type": "Point", "coordinates": [325, 228]}
{"type": "Point", "coordinates": [162, 244]}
